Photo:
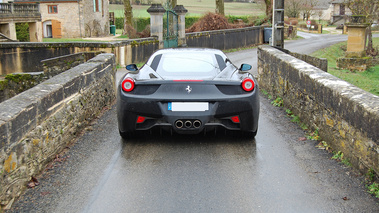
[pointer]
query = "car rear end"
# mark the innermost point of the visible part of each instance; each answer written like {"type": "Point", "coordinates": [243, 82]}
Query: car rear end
{"type": "Point", "coordinates": [188, 106]}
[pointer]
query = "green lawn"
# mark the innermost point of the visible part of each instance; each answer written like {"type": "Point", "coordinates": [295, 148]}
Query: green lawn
{"type": "Point", "coordinates": [367, 80]}
{"type": "Point", "coordinates": [67, 40]}
{"type": "Point", "coordinates": [197, 8]}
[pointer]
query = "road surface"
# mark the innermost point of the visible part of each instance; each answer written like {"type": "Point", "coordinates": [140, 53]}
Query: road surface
{"type": "Point", "coordinates": [276, 172]}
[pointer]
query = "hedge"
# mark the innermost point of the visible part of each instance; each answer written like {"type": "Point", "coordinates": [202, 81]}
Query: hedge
{"type": "Point", "coordinates": [141, 23]}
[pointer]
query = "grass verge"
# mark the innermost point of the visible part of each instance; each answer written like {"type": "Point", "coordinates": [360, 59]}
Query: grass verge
{"type": "Point", "coordinates": [367, 80]}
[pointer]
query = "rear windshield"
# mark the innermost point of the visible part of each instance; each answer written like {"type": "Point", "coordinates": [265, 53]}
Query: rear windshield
{"type": "Point", "coordinates": [187, 64]}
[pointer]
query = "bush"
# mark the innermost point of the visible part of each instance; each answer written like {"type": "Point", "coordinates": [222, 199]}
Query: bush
{"type": "Point", "coordinates": [257, 20]}
{"type": "Point", "coordinates": [191, 20]}
{"type": "Point", "coordinates": [231, 18]}
{"type": "Point", "coordinates": [22, 31]}
{"type": "Point", "coordinates": [210, 21]}
{"type": "Point", "coordinates": [139, 23]}
{"type": "Point", "coordinates": [119, 22]}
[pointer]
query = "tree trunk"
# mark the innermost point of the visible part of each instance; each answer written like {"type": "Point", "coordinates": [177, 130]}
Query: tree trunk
{"type": "Point", "coordinates": [268, 4]}
{"type": "Point", "coordinates": [173, 3]}
{"type": "Point", "coordinates": [128, 15]}
{"type": "Point", "coordinates": [220, 7]}
{"type": "Point", "coordinates": [370, 50]}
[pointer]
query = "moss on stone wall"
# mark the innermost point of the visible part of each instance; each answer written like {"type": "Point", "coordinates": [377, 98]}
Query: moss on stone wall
{"type": "Point", "coordinates": [13, 84]}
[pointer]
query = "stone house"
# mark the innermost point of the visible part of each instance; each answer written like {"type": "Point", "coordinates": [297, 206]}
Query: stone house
{"type": "Point", "coordinates": [73, 18]}
{"type": "Point", "coordinates": [322, 10]}
{"type": "Point", "coordinates": [333, 11]}
{"type": "Point", "coordinates": [340, 12]}
{"type": "Point", "coordinates": [12, 14]}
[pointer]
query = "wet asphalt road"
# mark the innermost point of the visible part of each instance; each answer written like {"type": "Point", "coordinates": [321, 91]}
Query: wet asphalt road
{"type": "Point", "coordinates": [276, 172]}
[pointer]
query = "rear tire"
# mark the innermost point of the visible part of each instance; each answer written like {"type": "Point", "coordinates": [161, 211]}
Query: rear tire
{"type": "Point", "coordinates": [126, 135]}
{"type": "Point", "coordinates": [249, 134]}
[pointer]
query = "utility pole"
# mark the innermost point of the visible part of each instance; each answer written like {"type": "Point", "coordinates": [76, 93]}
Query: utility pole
{"type": "Point", "coordinates": [277, 38]}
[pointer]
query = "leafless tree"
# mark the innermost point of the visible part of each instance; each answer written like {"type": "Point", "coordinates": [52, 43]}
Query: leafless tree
{"type": "Point", "coordinates": [308, 8]}
{"type": "Point", "coordinates": [293, 8]}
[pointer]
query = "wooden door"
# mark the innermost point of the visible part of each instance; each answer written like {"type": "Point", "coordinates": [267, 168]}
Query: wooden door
{"type": "Point", "coordinates": [56, 28]}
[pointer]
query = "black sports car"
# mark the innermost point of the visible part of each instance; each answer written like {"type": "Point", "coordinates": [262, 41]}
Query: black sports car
{"type": "Point", "coordinates": [188, 91]}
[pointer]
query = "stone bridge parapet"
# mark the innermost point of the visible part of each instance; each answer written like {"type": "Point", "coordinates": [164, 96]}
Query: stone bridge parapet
{"type": "Point", "coordinates": [346, 116]}
{"type": "Point", "coordinates": [40, 122]}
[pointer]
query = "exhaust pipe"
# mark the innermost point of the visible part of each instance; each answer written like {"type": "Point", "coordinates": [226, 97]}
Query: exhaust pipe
{"type": "Point", "coordinates": [197, 124]}
{"type": "Point", "coordinates": [178, 124]}
{"type": "Point", "coordinates": [188, 124]}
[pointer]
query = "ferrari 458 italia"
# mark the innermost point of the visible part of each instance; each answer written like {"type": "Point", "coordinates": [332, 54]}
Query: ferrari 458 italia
{"type": "Point", "coordinates": [188, 91]}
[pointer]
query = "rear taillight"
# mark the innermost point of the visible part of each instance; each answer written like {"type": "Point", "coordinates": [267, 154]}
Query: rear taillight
{"type": "Point", "coordinates": [127, 84]}
{"type": "Point", "coordinates": [140, 119]}
{"type": "Point", "coordinates": [248, 84]}
{"type": "Point", "coordinates": [235, 119]}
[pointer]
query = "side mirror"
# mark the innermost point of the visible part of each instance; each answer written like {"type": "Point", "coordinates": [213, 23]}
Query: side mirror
{"type": "Point", "coordinates": [132, 67]}
{"type": "Point", "coordinates": [245, 67]}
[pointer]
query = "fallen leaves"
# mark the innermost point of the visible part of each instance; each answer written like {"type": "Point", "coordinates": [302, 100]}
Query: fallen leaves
{"type": "Point", "coordinates": [45, 193]}
{"type": "Point", "coordinates": [212, 21]}
{"type": "Point", "coordinates": [33, 182]}
{"type": "Point", "coordinates": [60, 159]}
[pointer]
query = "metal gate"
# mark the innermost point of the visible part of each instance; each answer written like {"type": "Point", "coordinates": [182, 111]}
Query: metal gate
{"type": "Point", "coordinates": [170, 29]}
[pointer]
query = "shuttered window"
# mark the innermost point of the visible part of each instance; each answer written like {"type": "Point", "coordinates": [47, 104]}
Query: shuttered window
{"type": "Point", "coordinates": [96, 5]}
{"type": "Point", "coordinates": [52, 9]}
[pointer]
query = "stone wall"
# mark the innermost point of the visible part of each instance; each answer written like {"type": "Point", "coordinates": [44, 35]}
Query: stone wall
{"type": "Point", "coordinates": [13, 84]}
{"type": "Point", "coordinates": [39, 123]}
{"type": "Point", "coordinates": [26, 56]}
{"type": "Point", "coordinates": [321, 63]}
{"type": "Point", "coordinates": [347, 117]}
{"type": "Point", "coordinates": [226, 39]}
{"type": "Point", "coordinates": [54, 66]}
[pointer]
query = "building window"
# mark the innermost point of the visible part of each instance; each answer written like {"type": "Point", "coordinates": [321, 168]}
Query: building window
{"type": "Point", "coordinates": [52, 8]}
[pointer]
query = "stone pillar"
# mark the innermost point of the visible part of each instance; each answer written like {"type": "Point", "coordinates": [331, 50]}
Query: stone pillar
{"type": "Point", "coordinates": [156, 12]}
{"type": "Point", "coordinates": [35, 32]}
{"type": "Point", "coordinates": [122, 56]}
{"type": "Point", "coordinates": [319, 28]}
{"type": "Point", "coordinates": [355, 57]}
{"type": "Point", "coordinates": [344, 29]}
{"type": "Point", "coordinates": [356, 40]}
{"type": "Point", "coordinates": [181, 12]}
{"type": "Point", "coordinates": [11, 31]}
{"type": "Point", "coordinates": [129, 54]}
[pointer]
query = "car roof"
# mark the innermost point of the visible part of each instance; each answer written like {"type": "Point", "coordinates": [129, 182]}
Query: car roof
{"type": "Point", "coordinates": [189, 49]}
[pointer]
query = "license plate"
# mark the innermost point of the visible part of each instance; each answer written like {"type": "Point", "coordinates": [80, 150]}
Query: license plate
{"type": "Point", "coordinates": [188, 106]}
